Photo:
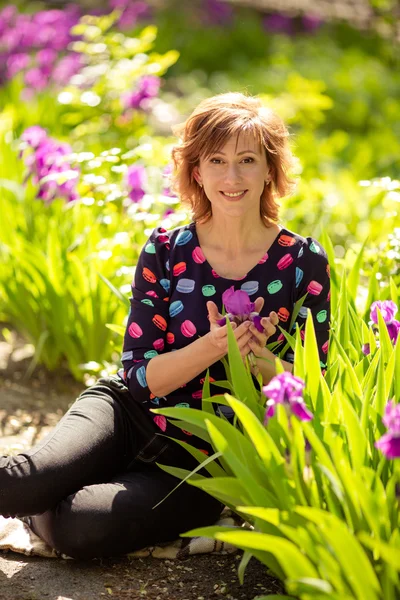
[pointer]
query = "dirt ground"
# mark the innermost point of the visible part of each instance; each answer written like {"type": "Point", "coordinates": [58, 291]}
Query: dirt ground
{"type": "Point", "coordinates": [28, 409]}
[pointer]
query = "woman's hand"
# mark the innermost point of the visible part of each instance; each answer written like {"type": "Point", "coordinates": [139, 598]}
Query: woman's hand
{"type": "Point", "coordinates": [219, 334]}
{"type": "Point", "coordinates": [259, 339]}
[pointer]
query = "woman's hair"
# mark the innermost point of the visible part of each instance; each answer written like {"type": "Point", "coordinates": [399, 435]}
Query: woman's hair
{"type": "Point", "coordinates": [207, 130]}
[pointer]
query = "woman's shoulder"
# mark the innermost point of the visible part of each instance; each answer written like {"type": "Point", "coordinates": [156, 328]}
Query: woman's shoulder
{"type": "Point", "coordinates": [308, 245]}
{"type": "Point", "coordinates": [180, 234]}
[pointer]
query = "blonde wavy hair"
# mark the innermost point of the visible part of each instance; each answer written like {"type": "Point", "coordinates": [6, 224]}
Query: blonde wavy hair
{"type": "Point", "coordinates": [207, 130]}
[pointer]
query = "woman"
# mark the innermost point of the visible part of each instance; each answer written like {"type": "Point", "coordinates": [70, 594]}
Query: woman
{"type": "Point", "coordinates": [92, 483]}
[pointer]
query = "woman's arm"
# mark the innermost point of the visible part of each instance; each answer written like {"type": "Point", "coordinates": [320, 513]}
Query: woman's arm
{"type": "Point", "coordinates": [265, 363]}
{"type": "Point", "coordinates": [167, 372]}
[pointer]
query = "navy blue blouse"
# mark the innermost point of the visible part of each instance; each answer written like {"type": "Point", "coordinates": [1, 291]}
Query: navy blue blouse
{"type": "Point", "coordinates": [172, 283]}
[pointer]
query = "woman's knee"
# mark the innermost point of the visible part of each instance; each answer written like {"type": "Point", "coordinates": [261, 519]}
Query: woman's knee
{"type": "Point", "coordinates": [80, 527]}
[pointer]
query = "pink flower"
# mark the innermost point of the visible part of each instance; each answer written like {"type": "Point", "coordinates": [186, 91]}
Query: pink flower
{"type": "Point", "coordinates": [388, 310]}
{"type": "Point", "coordinates": [389, 443]}
{"type": "Point", "coordinates": [147, 88]}
{"type": "Point", "coordinates": [286, 389]}
{"type": "Point", "coordinates": [393, 330]}
{"type": "Point", "coordinates": [239, 308]}
{"type": "Point", "coordinates": [136, 179]}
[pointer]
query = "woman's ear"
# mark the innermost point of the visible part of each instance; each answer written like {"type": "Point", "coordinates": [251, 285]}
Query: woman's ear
{"type": "Point", "coordinates": [196, 175]}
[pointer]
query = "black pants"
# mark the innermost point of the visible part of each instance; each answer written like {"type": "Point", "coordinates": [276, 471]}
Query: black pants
{"type": "Point", "coordinates": [92, 483]}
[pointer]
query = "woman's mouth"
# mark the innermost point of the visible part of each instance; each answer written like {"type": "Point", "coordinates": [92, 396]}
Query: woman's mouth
{"type": "Point", "coordinates": [234, 196]}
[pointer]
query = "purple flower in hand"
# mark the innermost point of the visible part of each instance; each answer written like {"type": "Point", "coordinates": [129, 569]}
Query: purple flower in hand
{"type": "Point", "coordinates": [237, 302]}
{"type": "Point", "coordinates": [388, 310]}
{"type": "Point", "coordinates": [239, 308]}
{"type": "Point", "coordinates": [136, 179]}
{"type": "Point", "coordinates": [389, 444]}
{"type": "Point", "coordinates": [286, 389]}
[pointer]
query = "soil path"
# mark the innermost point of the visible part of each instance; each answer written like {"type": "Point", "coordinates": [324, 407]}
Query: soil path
{"type": "Point", "coordinates": [28, 409]}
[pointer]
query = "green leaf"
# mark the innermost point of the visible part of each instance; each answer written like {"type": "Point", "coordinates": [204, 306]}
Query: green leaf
{"type": "Point", "coordinates": [354, 275]}
{"type": "Point", "coordinates": [243, 564]}
{"type": "Point", "coordinates": [166, 468]}
{"type": "Point", "coordinates": [116, 328]}
{"type": "Point", "coordinates": [226, 489]}
{"type": "Point", "coordinates": [381, 549]}
{"type": "Point", "coordinates": [124, 300]}
{"type": "Point", "coordinates": [311, 360]}
{"type": "Point", "coordinates": [291, 560]}
{"type": "Point", "coordinates": [243, 385]}
{"type": "Point", "coordinates": [206, 407]}
{"type": "Point", "coordinates": [349, 553]}
{"type": "Point", "coordinates": [385, 341]}
{"type": "Point", "coordinates": [243, 470]}
{"type": "Point", "coordinates": [397, 370]}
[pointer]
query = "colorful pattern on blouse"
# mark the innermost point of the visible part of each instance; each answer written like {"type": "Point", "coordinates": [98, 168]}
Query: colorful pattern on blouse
{"type": "Point", "coordinates": [172, 283]}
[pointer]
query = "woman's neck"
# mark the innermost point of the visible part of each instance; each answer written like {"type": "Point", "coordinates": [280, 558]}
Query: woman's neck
{"type": "Point", "coordinates": [232, 237]}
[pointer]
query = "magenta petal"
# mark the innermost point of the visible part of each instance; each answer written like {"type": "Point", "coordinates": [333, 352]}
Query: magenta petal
{"type": "Point", "coordinates": [300, 410]}
{"type": "Point", "coordinates": [222, 322]}
{"type": "Point", "coordinates": [388, 309]}
{"type": "Point", "coordinates": [257, 323]}
{"type": "Point", "coordinates": [269, 413]}
{"type": "Point", "coordinates": [393, 330]}
{"type": "Point", "coordinates": [389, 445]}
{"type": "Point", "coordinates": [366, 349]}
{"type": "Point", "coordinates": [391, 418]}
{"type": "Point", "coordinates": [237, 302]}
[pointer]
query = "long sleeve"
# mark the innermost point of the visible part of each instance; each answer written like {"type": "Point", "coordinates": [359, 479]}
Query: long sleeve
{"type": "Point", "coordinates": [146, 331]}
{"type": "Point", "coordinates": [313, 278]}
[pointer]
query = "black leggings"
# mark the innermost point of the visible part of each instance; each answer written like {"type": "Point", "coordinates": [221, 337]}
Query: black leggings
{"type": "Point", "coordinates": [92, 483]}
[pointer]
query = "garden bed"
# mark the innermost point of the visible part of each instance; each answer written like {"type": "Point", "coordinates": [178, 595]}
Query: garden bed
{"type": "Point", "coordinates": [28, 409]}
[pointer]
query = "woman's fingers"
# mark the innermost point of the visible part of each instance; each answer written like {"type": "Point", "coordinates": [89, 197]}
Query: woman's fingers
{"type": "Point", "coordinates": [213, 313]}
{"type": "Point", "coordinates": [258, 304]}
{"type": "Point", "coordinates": [274, 318]}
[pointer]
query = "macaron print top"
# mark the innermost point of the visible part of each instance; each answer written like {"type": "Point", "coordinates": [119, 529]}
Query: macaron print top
{"type": "Point", "coordinates": [173, 282]}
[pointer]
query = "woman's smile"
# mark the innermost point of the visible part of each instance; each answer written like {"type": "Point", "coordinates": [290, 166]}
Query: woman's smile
{"type": "Point", "coordinates": [234, 196]}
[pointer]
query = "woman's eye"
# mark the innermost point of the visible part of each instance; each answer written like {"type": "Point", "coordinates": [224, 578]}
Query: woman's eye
{"type": "Point", "coordinates": [248, 159]}
{"type": "Point", "coordinates": [215, 161]}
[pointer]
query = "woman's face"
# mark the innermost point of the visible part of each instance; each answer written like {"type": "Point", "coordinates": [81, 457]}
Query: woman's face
{"type": "Point", "coordinates": [233, 178]}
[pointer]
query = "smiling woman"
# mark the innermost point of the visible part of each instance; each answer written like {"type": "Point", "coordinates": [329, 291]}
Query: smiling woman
{"type": "Point", "coordinates": [92, 484]}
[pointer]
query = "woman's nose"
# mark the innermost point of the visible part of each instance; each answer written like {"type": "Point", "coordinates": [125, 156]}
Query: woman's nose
{"type": "Point", "coordinates": [232, 173]}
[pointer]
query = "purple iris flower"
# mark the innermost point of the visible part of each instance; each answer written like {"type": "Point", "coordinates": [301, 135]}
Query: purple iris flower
{"type": "Point", "coordinates": [239, 308]}
{"type": "Point", "coordinates": [277, 23]}
{"type": "Point", "coordinates": [36, 78]}
{"type": "Point", "coordinates": [388, 310]}
{"type": "Point", "coordinates": [136, 179]}
{"type": "Point", "coordinates": [238, 302]}
{"type": "Point", "coordinates": [366, 349]}
{"type": "Point", "coordinates": [48, 158]}
{"type": "Point", "coordinates": [393, 330]}
{"type": "Point", "coordinates": [16, 63]}
{"type": "Point", "coordinates": [33, 43]}
{"type": "Point", "coordinates": [311, 23]}
{"type": "Point", "coordinates": [217, 12]}
{"type": "Point", "coordinates": [66, 67]}
{"type": "Point", "coordinates": [132, 12]}
{"type": "Point", "coordinates": [389, 443]}
{"type": "Point", "coordinates": [147, 88]}
{"type": "Point", "coordinates": [286, 389]}
{"type": "Point", "coordinates": [34, 135]}
{"type": "Point", "coordinates": [167, 174]}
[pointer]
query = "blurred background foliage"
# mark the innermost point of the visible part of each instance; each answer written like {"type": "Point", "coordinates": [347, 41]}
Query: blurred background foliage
{"type": "Point", "coordinates": [106, 83]}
